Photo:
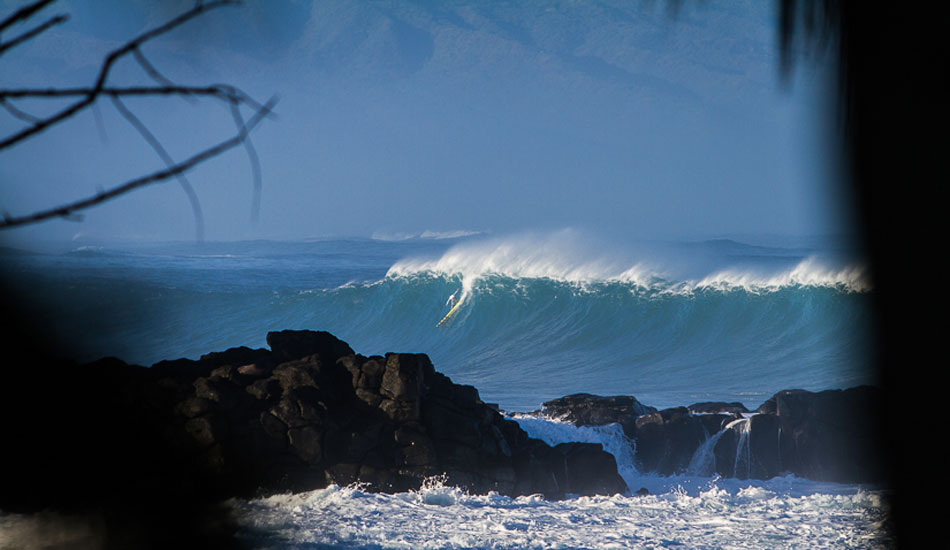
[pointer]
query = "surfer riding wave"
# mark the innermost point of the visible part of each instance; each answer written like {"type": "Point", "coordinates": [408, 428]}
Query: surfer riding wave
{"type": "Point", "coordinates": [453, 303]}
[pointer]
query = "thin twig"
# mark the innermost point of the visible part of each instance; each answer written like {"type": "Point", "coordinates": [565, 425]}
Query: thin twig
{"type": "Point", "coordinates": [59, 19]}
{"type": "Point", "coordinates": [104, 70]}
{"type": "Point", "coordinates": [17, 113]}
{"type": "Point", "coordinates": [222, 91]}
{"type": "Point", "coordinates": [88, 96]}
{"type": "Point", "coordinates": [70, 209]}
{"type": "Point", "coordinates": [150, 69]}
{"type": "Point", "coordinates": [255, 164]}
{"type": "Point", "coordinates": [100, 125]}
{"type": "Point", "coordinates": [24, 13]}
{"type": "Point", "coordinates": [167, 159]}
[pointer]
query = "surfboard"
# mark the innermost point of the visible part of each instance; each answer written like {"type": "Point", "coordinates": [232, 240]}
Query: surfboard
{"type": "Point", "coordinates": [451, 312]}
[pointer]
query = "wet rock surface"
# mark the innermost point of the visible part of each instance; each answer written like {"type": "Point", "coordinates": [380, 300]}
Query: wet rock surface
{"type": "Point", "coordinates": [584, 409]}
{"type": "Point", "coordinates": [824, 436]}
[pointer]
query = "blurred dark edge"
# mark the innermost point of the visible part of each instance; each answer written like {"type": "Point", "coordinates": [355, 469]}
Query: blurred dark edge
{"type": "Point", "coordinates": [892, 65]}
{"type": "Point", "coordinates": [85, 461]}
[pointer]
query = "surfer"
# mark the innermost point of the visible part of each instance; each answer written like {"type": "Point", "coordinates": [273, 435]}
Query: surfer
{"type": "Point", "coordinates": [454, 303]}
{"type": "Point", "coordinates": [451, 301]}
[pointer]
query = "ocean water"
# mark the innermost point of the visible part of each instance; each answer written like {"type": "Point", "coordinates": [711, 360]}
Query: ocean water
{"type": "Point", "coordinates": [540, 315]}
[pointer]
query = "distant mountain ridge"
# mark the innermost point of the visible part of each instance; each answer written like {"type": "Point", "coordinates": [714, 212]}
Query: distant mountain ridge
{"type": "Point", "coordinates": [632, 46]}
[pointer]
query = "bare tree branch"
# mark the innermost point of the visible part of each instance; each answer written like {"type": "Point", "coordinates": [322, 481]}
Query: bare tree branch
{"type": "Point", "coordinates": [17, 113]}
{"type": "Point", "coordinates": [223, 92]}
{"type": "Point", "coordinates": [24, 13]}
{"type": "Point", "coordinates": [86, 97]}
{"type": "Point", "coordinates": [150, 69]}
{"type": "Point", "coordinates": [70, 209]}
{"type": "Point", "coordinates": [106, 67]}
{"type": "Point", "coordinates": [255, 163]}
{"type": "Point", "coordinates": [56, 20]}
{"type": "Point", "coordinates": [167, 159]}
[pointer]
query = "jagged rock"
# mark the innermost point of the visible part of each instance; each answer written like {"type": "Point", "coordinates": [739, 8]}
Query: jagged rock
{"type": "Point", "coordinates": [206, 430]}
{"type": "Point", "coordinates": [273, 420]}
{"type": "Point", "coordinates": [343, 473]}
{"type": "Point", "coordinates": [298, 373]}
{"type": "Point", "coordinates": [305, 442]}
{"type": "Point", "coordinates": [265, 390]}
{"type": "Point", "coordinates": [583, 470]}
{"type": "Point", "coordinates": [193, 406]}
{"type": "Point", "coordinates": [235, 357]}
{"type": "Point", "coordinates": [309, 412]}
{"type": "Point", "coordinates": [404, 377]}
{"type": "Point", "coordinates": [416, 448]}
{"type": "Point", "coordinates": [826, 436]}
{"type": "Point", "coordinates": [584, 409]}
{"type": "Point", "coordinates": [714, 423]}
{"type": "Point", "coordinates": [273, 426]}
{"type": "Point", "coordinates": [764, 446]}
{"type": "Point", "coordinates": [226, 372]}
{"type": "Point", "coordinates": [288, 345]}
{"type": "Point", "coordinates": [666, 440]}
{"type": "Point", "coordinates": [718, 407]}
{"type": "Point", "coordinates": [254, 370]}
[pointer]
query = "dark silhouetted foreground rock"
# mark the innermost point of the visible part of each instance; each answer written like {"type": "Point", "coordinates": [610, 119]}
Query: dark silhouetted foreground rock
{"type": "Point", "coordinates": [825, 436]}
{"type": "Point", "coordinates": [248, 422]}
{"type": "Point", "coordinates": [151, 452]}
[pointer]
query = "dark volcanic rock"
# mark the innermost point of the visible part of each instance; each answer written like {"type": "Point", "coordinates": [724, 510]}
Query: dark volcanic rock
{"type": "Point", "coordinates": [666, 440]}
{"type": "Point", "coordinates": [717, 407]}
{"type": "Point", "coordinates": [587, 470]}
{"type": "Point", "coordinates": [309, 412]}
{"type": "Point", "coordinates": [295, 344]}
{"type": "Point", "coordinates": [584, 409]}
{"type": "Point", "coordinates": [826, 436]}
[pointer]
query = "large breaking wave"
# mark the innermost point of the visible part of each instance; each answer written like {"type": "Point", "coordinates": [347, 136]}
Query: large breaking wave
{"type": "Point", "coordinates": [541, 315]}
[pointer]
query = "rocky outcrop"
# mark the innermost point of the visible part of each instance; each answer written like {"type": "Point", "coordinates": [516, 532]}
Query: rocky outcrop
{"type": "Point", "coordinates": [825, 436]}
{"type": "Point", "coordinates": [150, 452]}
{"type": "Point", "coordinates": [160, 447]}
{"type": "Point", "coordinates": [584, 409]}
{"type": "Point", "coordinates": [717, 407]}
{"type": "Point", "coordinates": [667, 440]}
{"type": "Point", "coordinates": [306, 413]}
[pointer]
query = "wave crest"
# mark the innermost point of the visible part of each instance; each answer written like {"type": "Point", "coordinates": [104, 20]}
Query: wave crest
{"type": "Point", "coordinates": [567, 257]}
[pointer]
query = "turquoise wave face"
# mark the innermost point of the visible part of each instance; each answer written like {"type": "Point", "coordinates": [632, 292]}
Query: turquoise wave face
{"type": "Point", "coordinates": [525, 340]}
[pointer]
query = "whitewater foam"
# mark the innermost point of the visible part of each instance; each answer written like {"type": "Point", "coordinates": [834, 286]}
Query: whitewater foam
{"type": "Point", "coordinates": [566, 256]}
{"type": "Point", "coordinates": [752, 516]}
{"type": "Point", "coordinates": [610, 437]}
{"type": "Point", "coordinates": [685, 510]}
{"type": "Point", "coordinates": [810, 272]}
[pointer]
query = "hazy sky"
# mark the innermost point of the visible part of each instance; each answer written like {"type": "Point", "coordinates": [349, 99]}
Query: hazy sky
{"type": "Point", "coordinates": [400, 117]}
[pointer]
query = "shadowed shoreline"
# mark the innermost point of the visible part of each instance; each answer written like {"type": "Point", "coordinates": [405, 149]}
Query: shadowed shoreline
{"type": "Point", "coordinates": [117, 456]}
